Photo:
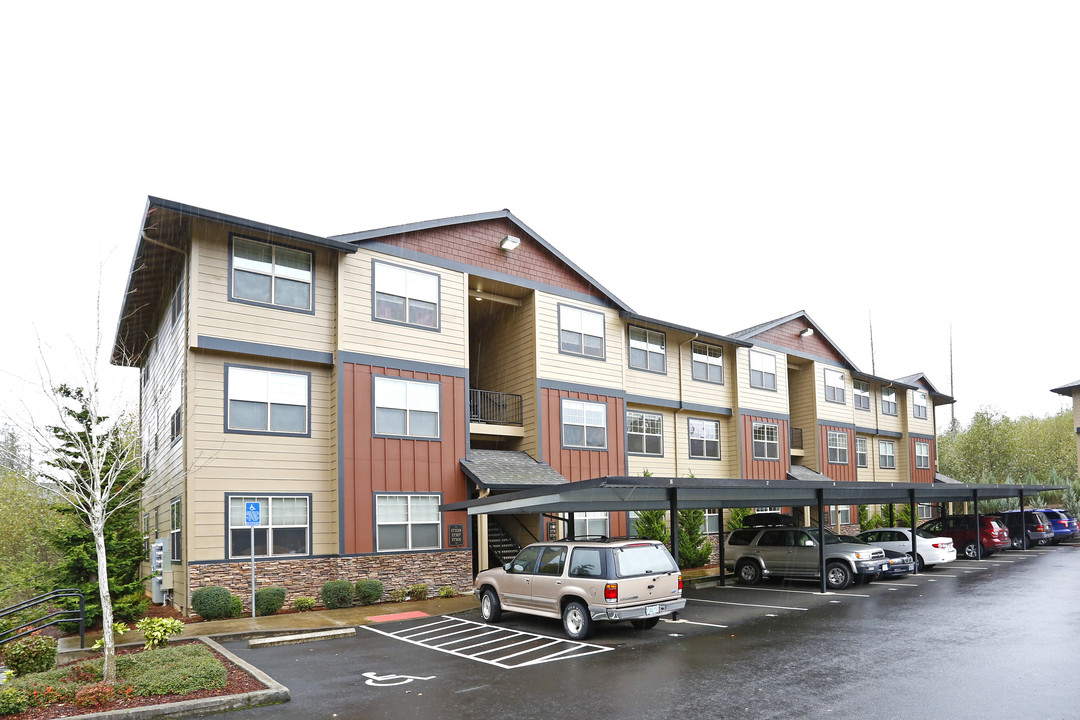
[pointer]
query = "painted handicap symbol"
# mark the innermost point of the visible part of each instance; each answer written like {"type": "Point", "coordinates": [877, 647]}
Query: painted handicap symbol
{"type": "Point", "coordinates": [386, 680]}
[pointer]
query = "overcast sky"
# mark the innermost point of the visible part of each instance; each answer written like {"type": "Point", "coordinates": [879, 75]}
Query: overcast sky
{"type": "Point", "coordinates": [716, 165]}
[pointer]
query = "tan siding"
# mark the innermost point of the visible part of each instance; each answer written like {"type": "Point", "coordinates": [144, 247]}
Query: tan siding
{"type": "Point", "coordinates": [554, 365]}
{"type": "Point", "coordinates": [668, 465]}
{"type": "Point", "coordinates": [867, 473]}
{"type": "Point", "coordinates": [654, 384]}
{"type": "Point", "coordinates": [726, 466]}
{"type": "Point", "coordinates": [705, 393]}
{"type": "Point", "coordinates": [757, 398]}
{"type": "Point", "coordinates": [804, 412]}
{"type": "Point", "coordinates": [360, 333]}
{"type": "Point", "coordinates": [833, 411]}
{"type": "Point", "coordinates": [919, 426]}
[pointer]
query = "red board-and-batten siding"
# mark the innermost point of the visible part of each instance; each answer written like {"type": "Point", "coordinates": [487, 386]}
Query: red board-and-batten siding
{"type": "Point", "coordinates": [925, 475]}
{"type": "Point", "coordinates": [394, 465]}
{"type": "Point", "coordinates": [845, 473]}
{"type": "Point", "coordinates": [786, 335]}
{"type": "Point", "coordinates": [765, 469]}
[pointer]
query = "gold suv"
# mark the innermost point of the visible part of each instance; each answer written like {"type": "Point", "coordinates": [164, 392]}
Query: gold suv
{"type": "Point", "coordinates": [585, 580]}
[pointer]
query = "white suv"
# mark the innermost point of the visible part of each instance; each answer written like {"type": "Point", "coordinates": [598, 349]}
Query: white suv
{"type": "Point", "coordinates": [580, 581]}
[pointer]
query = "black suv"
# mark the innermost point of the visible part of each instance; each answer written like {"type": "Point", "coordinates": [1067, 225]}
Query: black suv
{"type": "Point", "coordinates": [1038, 527]}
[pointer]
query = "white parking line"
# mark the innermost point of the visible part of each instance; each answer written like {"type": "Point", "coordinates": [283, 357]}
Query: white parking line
{"type": "Point", "coordinates": [770, 607]}
{"type": "Point", "coordinates": [782, 590]}
{"type": "Point", "coordinates": [692, 622]}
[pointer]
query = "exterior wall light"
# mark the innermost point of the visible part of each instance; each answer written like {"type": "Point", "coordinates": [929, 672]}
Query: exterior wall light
{"type": "Point", "coordinates": [509, 242]}
{"type": "Point", "coordinates": [807, 332]}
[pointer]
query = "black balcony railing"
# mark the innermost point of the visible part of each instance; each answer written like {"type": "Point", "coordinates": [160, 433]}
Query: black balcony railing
{"type": "Point", "coordinates": [796, 439]}
{"type": "Point", "coordinates": [495, 408]}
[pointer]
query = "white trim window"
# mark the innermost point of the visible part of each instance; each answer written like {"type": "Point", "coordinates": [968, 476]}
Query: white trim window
{"type": "Point", "coordinates": [176, 419]}
{"type": "Point", "coordinates": [406, 408]}
{"type": "Point", "coordinates": [707, 362]}
{"type": "Point", "coordinates": [710, 524]}
{"type": "Point", "coordinates": [267, 401]}
{"type": "Point", "coordinates": [175, 531]}
{"type": "Point", "coordinates": [176, 307]}
{"type": "Point", "coordinates": [584, 424]}
{"type": "Point", "coordinates": [919, 406]}
{"type": "Point", "coordinates": [861, 393]}
{"type": "Point", "coordinates": [766, 441]}
{"type": "Point", "coordinates": [834, 386]}
{"type": "Point", "coordinates": [406, 296]}
{"type": "Point", "coordinates": [838, 447]}
{"type": "Point", "coordinates": [862, 453]}
{"type": "Point", "coordinates": [282, 530]}
{"type": "Point", "coordinates": [922, 455]}
{"type": "Point", "coordinates": [407, 522]}
{"type": "Point", "coordinates": [925, 511]}
{"type": "Point", "coordinates": [644, 433]}
{"type": "Point", "coordinates": [271, 274]}
{"type": "Point", "coordinates": [705, 439]}
{"type": "Point", "coordinates": [886, 454]}
{"type": "Point", "coordinates": [590, 523]}
{"type": "Point", "coordinates": [581, 332]}
{"type": "Point", "coordinates": [647, 350]}
{"type": "Point", "coordinates": [841, 514]}
{"type": "Point", "coordinates": [888, 401]}
{"type": "Point", "coordinates": [762, 370]}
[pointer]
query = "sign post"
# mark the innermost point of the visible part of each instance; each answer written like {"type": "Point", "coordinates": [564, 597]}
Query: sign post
{"type": "Point", "coordinates": [253, 512]}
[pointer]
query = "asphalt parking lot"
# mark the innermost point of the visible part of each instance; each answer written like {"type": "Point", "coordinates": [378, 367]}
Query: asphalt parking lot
{"type": "Point", "coordinates": [972, 639]}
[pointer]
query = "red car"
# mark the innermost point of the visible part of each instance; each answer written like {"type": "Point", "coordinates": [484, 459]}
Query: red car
{"type": "Point", "coordinates": [961, 528]}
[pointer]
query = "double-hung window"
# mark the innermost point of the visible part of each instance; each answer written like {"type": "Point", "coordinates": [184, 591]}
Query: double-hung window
{"type": "Point", "coordinates": [707, 363]}
{"type": "Point", "coordinates": [406, 408]}
{"type": "Point", "coordinates": [282, 530]}
{"type": "Point", "coordinates": [920, 405]}
{"type": "Point", "coordinates": [406, 296]}
{"type": "Point", "coordinates": [710, 524]}
{"type": "Point", "coordinates": [175, 531]}
{"type": "Point", "coordinates": [862, 458]}
{"type": "Point", "coordinates": [886, 454]}
{"type": "Point", "coordinates": [861, 390]}
{"type": "Point", "coordinates": [838, 448]}
{"type": "Point", "coordinates": [705, 439]}
{"type": "Point", "coordinates": [888, 401]}
{"type": "Point", "coordinates": [176, 421]}
{"type": "Point", "coordinates": [834, 386]}
{"type": "Point", "coordinates": [590, 523]}
{"type": "Point", "coordinates": [270, 401]}
{"type": "Point", "coordinates": [176, 307]}
{"type": "Point", "coordinates": [407, 522]}
{"type": "Point", "coordinates": [584, 424]}
{"type": "Point", "coordinates": [922, 455]}
{"type": "Point", "coordinates": [762, 370]}
{"type": "Point", "coordinates": [647, 349]}
{"type": "Point", "coordinates": [644, 433]}
{"type": "Point", "coordinates": [581, 332]}
{"type": "Point", "coordinates": [766, 441]}
{"type": "Point", "coordinates": [271, 274]}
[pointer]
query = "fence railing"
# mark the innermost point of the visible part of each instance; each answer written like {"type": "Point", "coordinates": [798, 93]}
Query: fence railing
{"type": "Point", "coordinates": [796, 438]}
{"type": "Point", "coordinates": [495, 408]}
{"type": "Point", "coordinates": [54, 618]}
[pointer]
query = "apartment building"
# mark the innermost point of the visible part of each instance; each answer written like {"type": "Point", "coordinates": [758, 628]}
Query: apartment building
{"type": "Point", "coordinates": [354, 385]}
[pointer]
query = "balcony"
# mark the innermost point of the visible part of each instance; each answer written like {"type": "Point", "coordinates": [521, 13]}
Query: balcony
{"type": "Point", "coordinates": [796, 441]}
{"type": "Point", "coordinates": [495, 413]}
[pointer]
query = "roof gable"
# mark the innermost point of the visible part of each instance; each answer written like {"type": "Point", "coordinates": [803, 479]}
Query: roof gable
{"type": "Point", "coordinates": [790, 333]}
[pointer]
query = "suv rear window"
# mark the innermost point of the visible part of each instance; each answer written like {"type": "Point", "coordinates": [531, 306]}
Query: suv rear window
{"type": "Point", "coordinates": [642, 559]}
{"type": "Point", "coordinates": [741, 537]}
{"type": "Point", "coordinates": [587, 562]}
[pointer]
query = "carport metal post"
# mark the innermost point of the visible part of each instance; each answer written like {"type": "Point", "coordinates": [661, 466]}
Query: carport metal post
{"type": "Point", "coordinates": [720, 543]}
{"type": "Point", "coordinates": [673, 505]}
{"type": "Point", "coordinates": [821, 536]}
{"type": "Point", "coordinates": [978, 525]}
{"type": "Point", "coordinates": [914, 537]}
{"type": "Point", "coordinates": [570, 525]}
{"type": "Point", "coordinates": [1023, 523]}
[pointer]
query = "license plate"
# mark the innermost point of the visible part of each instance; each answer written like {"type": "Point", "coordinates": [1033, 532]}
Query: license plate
{"type": "Point", "coordinates": [652, 609]}
{"type": "Point", "coordinates": [884, 567]}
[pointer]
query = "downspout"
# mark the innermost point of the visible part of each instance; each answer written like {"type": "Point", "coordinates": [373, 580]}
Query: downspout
{"type": "Point", "coordinates": [681, 381]}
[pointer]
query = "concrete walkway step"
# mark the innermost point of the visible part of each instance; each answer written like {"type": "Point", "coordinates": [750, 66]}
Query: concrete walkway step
{"type": "Point", "coordinates": [301, 637]}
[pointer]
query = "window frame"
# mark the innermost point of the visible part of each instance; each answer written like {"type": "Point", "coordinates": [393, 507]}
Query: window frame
{"type": "Point", "coordinates": [309, 310]}
{"type": "Point", "coordinates": [889, 407]}
{"type": "Point", "coordinates": [254, 431]}
{"type": "Point", "coordinates": [708, 363]}
{"type": "Point", "coordinates": [761, 384]}
{"type": "Point", "coordinates": [891, 455]}
{"type": "Point", "coordinates": [375, 431]}
{"type": "Point", "coordinates": [766, 442]}
{"type": "Point", "coordinates": [567, 310]}
{"type": "Point", "coordinates": [648, 352]}
{"type": "Point", "coordinates": [266, 513]}
{"type": "Point", "coordinates": [644, 434]}
{"type": "Point", "coordinates": [375, 317]}
{"type": "Point", "coordinates": [590, 517]}
{"type": "Point", "coordinates": [584, 425]}
{"type": "Point", "coordinates": [841, 451]}
{"type": "Point", "coordinates": [409, 522]}
{"type": "Point", "coordinates": [920, 409]}
{"type": "Point", "coordinates": [923, 445]}
{"type": "Point", "coordinates": [862, 450]}
{"type": "Point", "coordinates": [691, 439]}
{"type": "Point", "coordinates": [176, 530]}
{"type": "Point", "coordinates": [838, 392]}
{"type": "Point", "coordinates": [176, 305]}
{"type": "Point", "coordinates": [861, 395]}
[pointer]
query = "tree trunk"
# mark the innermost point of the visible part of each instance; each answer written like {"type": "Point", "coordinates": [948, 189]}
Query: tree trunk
{"type": "Point", "coordinates": [109, 669]}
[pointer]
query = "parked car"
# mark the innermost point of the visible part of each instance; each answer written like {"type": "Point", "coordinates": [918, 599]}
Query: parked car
{"type": "Point", "coordinates": [1038, 527]}
{"type": "Point", "coordinates": [769, 519]}
{"type": "Point", "coordinates": [1063, 528]}
{"type": "Point", "coordinates": [961, 528]}
{"type": "Point", "coordinates": [756, 553]}
{"type": "Point", "coordinates": [582, 581]}
{"type": "Point", "coordinates": [900, 563]}
{"type": "Point", "coordinates": [931, 549]}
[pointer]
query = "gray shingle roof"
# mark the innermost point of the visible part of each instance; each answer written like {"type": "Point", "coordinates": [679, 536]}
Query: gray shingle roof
{"type": "Point", "coordinates": [509, 470]}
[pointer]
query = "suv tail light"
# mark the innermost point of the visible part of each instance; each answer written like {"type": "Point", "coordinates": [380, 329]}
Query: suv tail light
{"type": "Point", "coordinates": [680, 583]}
{"type": "Point", "coordinates": [611, 592]}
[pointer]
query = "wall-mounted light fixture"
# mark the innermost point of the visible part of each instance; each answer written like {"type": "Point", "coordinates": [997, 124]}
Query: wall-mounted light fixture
{"type": "Point", "coordinates": [807, 332]}
{"type": "Point", "coordinates": [509, 242]}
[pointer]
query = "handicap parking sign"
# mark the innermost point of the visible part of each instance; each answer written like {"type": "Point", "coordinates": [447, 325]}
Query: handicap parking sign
{"type": "Point", "coordinates": [253, 510]}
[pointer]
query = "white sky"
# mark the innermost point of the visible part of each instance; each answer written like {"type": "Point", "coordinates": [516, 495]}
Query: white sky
{"type": "Point", "coordinates": [716, 165]}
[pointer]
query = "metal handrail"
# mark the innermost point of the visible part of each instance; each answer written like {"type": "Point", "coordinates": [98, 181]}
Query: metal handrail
{"type": "Point", "coordinates": [496, 408]}
{"type": "Point", "coordinates": [61, 616]}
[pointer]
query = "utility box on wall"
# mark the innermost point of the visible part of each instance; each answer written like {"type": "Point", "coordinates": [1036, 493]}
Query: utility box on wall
{"type": "Point", "coordinates": [161, 567]}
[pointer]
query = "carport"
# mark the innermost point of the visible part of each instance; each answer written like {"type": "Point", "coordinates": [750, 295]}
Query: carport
{"type": "Point", "coordinates": [623, 493]}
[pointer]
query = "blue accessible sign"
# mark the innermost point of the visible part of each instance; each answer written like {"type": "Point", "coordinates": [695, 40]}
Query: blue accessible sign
{"type": "Point", "coordinates": [253, 511]}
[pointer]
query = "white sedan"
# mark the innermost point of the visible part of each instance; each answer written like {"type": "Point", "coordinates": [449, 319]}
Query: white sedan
{"type": "Point", "coordinates": [933, 550]}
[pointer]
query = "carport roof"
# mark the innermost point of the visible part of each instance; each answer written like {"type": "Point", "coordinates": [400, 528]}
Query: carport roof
{"type": "Point", "coordinates": [656, 493]}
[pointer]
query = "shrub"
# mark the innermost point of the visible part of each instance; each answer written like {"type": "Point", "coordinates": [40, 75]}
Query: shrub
{"type": "Point", "coordinates": [118, 629]}
{"type": "Point", "coordinates": [157, 631]}
{"type": "Point", "coordinates": [30, 654]}
{"type": "Point", "coordinates": [130, 607]}
{"type": "Point", "coordinates": [337, 594]}
{"type": "Point", "coordinates": [212, 603]}
{"type": "Point", "coordinates": [418, 591]}
{"type": "Point", "coordinates": [180, 669]}
{"type": "Point", "coordinates": [236, 606]}
{"type": "Point", "coordinates": [13, 701]}
{"type": "Point", "coordinates": [94, 694]}
{"type": "Point", "coordinates": [303, 604]}
{"type": "Point", "coordinates": [368, 591]}
{"type": "Point", "coordinates": [399, 595]}
{"type": "Point", "coordinates": [447, 591]}
{"type": "Point", "coordinates": [694, 547]}
{"type": "Point", "coordinates": [269, 600]}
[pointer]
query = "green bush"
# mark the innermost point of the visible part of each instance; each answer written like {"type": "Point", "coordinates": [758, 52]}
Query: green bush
{"type": "Point", "coordinates": [269, 600]}
{"type": "Point", "coordinates": [303, 604]}
{"type": "Point", "coordinates": [212, 603]}
{"type": "Point", "coordinates": [446, 591]}
{"type": "Point", "coordinates": [179, 669]}
{"type": "Point", "coordinates": [337, 594]}
{"type": "Point", "coordinates": [13, 701]}
{"type": "Point", "coordinates": [418, 591]}
{"type": "Point", "coordinates": [694, 547]}
{"type": "Point", "coordinates": [236, 606]}
{"type": "Point", "coordinates": [368, 591]}
{"type": "Point", "coordinates": [30, 654]}
{"type": "Point", "coordinates": [399, 595]}
{"type": "Point", "coordinates": [130, 607]}
{"type": "Point", "coordinates": [157, 631]}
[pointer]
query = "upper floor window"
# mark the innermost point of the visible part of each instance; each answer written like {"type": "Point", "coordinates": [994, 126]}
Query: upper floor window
{"type": "Point", "coordinates": [176, 307]}
{"type": "Point", "coordinates": [584, 424]}
{"type": "Point", "coordinates": [838, 448]}
{"type": "Point", "coordinates": [407, 522]}
{"type": "Point", "coordinates": [707, 363]}
{"type": "Point", "coordinates": [862, 453]}
{"type": "Point", "coordinates": [886, 454]}
{"type": "Point", "coordinates": [175, 532]}
{"type": "Point", "coordinates": [920, 404]}
{"type": "Point", "coordinates": [922, 455]}
{"type": "Point", "coordinates": [762, 370]}
{"type": "Point", "coordinates": [407, 408]}
{"type": "Point", "coordinates": [705, 439]}
{"type": "Point", "coordinates": [861, 390]}
{"type": "Point", "coordinates": [766, 441]}
{"type": "Point", "coordinates": [834, 386]}
{"type": "Point", "coordinates": [888, 401]}
{"type": "Point", "coordinates": [282, 530]}
{"type": "Point", "coordinates": [176, 420]}
{"type": "Point", "coordinates": [406, 296]}
{"type": "Point", "coordinates": [644, 433]}
{"type": "Point", "coordinates": [271, 274]}
{"type": "Point", "coordinates": [647, 349]}
{"type": "Point", "coordinates": [267, 400]}
{"type": "Point", "coordinates": [581, 332]}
